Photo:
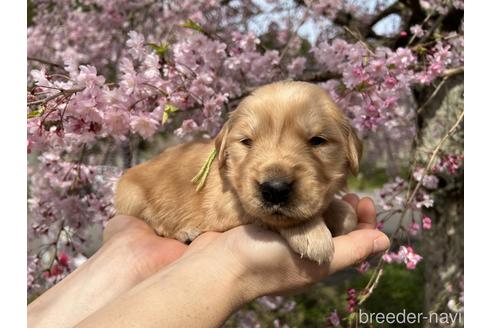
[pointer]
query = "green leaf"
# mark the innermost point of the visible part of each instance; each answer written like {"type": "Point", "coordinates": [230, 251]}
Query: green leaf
{"type": "Point", "coordinates": [341, 88]}
{"type": "Point", "coordinates": [391, 66]}
{"type": "Point", "coordinates": [193, 25]}
{"type": "Point", "coordinates": [36, 113]}
{"type": "Point", "coordinates": [161, 50]}
{"type": "Point", "coordinates": [421, 50]}
{"type": "Point", "coordinates": [361, 87]}
{"type": "Point", "coordinates": [170, 108]}
{"type": "Point", "coordinates": [165, 116]}
{"type": "Point", "coordinates": [167, 110]}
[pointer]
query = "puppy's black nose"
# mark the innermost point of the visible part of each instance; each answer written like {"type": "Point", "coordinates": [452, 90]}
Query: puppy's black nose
{"type": "Point", "coordinates": [275, 192]}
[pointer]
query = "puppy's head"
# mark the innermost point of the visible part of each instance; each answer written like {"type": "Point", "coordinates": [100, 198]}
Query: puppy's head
{"type": "Point", "coordinates": [286, 150]}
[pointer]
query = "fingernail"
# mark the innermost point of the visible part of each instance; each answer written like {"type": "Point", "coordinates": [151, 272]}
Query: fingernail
{"type": "Point", "coordinates": [381, 244]}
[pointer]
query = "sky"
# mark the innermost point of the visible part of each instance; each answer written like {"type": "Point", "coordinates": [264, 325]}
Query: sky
{"type": "Point", "coordinates": [310, 30]}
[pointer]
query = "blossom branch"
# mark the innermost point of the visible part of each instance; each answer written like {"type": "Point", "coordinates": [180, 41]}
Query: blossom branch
{"type": "Point", "coordinates": [293, 35]}
{"type": "Point", "coordinates": [63, 92]}
{"type": "Point", "coordinates": [434, 93]}
{"type": "Point", "coordinates": [43, 61]}
{"type": "Point", "coordinates": [370, 286]}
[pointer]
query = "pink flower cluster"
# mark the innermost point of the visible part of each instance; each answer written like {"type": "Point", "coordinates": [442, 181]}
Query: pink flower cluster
{"type": "Point", "coordinates": [393, 194]}
{"type": "Point", "coordinates": [429, 181]}
{"type": "Point", "coordinates": [449, 163]}
{"type": "Point", "coordinates": [414, 227]}
{"type": "Point", "coordinates": [352, 301]}
{"type": "Point", "coordinates": [426, 223]}
{"type": "Point", "coordinates": [64, 199]}
{"type": "Point", "coordinates": [441, 57]}
{"type": "Point", "coordinates": [334, 319]}
{"type": "Point", "coordinates": [32, 270]}
{"type": "Point", "coordinates": [277, 303]}
{"type": "Point", "coordinates": [372, 82]}
{"type": "Point", "coordinates": [92, 109]}
{"type": "Point", "coordinates": [363, 267]}
{"type": "Point", "coordinates": [405, 255]}
{"type": "Point", "coordinates": [417, 30]}
{"type": "Point", "coordinates": [59, 267]}
{"type": "Point", "coordinates": [375, 83]}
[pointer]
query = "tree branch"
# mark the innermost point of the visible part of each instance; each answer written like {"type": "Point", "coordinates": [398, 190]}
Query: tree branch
{"type": "Point", "coordinates": [370, 286]}
{"type": "Point", "coordinates": [56, 95]}
{"type": "Point", "coordinates": [396, 7]}
{"type": "Point", "coordinates": [434, 26]}
{"type": "Point", "coordinates": [43, 61]}
{"type": "Point", "coordinates": [454, 71]}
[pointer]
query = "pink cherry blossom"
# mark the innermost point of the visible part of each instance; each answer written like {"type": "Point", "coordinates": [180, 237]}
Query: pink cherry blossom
{"type": "Point", "coordinates": [363, 267]}
{"type": "Point", "coordinates": [426, 223]}
{"type": "Point", "coordinates": [333, 319]}
{"type": "Point", "coordinates": [404, 255]}
{"type": "Point", "coordinates": [297, 66]}
{"type": "Point", "coordinates": [136, 45]}
{"type": "Point", "coordinates": [414, 228]}
{"type": "Point", "coordinates": [145, 126]}
{"type": "Point", "coordinates": [417, 30]}
{"type": "Point", "coordinates": [409, 257]}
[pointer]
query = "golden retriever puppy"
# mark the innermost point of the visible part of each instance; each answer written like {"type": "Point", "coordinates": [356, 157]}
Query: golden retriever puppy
{"type": "Point", "coordinates": [281, 157]}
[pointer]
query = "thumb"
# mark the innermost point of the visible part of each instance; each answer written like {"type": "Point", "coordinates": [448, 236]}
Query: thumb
{"type": "Point", "coordinates": [354, 247]}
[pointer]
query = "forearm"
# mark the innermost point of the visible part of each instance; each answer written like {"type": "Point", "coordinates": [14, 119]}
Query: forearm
{"type": "Point", "coordinates": [94, 284]}
{"type": "Point", "coordinates": [196, 291]}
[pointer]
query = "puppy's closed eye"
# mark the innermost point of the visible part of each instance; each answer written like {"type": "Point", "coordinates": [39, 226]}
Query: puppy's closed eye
{"type": "Point", "coordinates": [247, 142]}
{"type": "Point", "coordinates": [317, 141]}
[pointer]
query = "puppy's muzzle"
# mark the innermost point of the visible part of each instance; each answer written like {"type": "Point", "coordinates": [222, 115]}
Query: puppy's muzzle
{"type": "Point", "coordinates": [275, 192]}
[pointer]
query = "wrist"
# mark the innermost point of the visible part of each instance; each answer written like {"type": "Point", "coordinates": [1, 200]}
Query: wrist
{"type": "Point", "coordinates": [236, 280]}
{"type": "Point", "coordinates": [121, 253]}
{"type": "Point", "coordinates": [230, 283]}
{"type": "Point", "coordinates": [201, 289]}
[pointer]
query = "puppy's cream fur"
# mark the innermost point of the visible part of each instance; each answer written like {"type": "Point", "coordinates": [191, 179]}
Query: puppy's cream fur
{"type": "Point", "coordinates": [267, 137]}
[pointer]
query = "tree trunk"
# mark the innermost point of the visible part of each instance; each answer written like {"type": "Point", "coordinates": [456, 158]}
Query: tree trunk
{"type": "Point", "coordinates": [443, 244]}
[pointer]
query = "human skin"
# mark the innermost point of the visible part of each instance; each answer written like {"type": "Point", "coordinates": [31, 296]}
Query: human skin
{"type": "Point", "coordinates": [140, 279]}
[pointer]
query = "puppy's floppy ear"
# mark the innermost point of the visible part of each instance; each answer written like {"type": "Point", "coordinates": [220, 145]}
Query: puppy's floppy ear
{"type": "Point", "coordinates": [220, 143]}
{"type": "Point", "coordinates": [354, 149]}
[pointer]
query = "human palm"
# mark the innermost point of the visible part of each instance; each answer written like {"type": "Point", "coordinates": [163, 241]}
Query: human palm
{"type": "Point", "coordinates": [248, 246]}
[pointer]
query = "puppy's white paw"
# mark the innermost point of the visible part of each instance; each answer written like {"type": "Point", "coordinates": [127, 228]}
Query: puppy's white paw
{"type": "Point", "coordinates": [187, 235]}
{"type": "Point", "coordinates": [320, 250]}
{"type": "Point", "coordinates": [312, 240]}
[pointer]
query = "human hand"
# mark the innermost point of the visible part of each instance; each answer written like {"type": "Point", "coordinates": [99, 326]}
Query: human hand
{"type": "Point", "coordinates": [228, 269]}
{"type": "Point", "coordinates": [146, 251]}
{"type": "Point", "coordinates": [251, 246]}
{"type": "Point", "coordinates": [268, 264]}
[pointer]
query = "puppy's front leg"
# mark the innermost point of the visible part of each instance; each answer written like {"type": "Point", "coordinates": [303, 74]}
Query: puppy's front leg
{"type": "Point", "coordinates": [311, 239]}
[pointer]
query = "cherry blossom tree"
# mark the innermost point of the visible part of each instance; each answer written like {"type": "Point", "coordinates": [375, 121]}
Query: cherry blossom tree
{"type": "Point", "coordinates": [112, 80]}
